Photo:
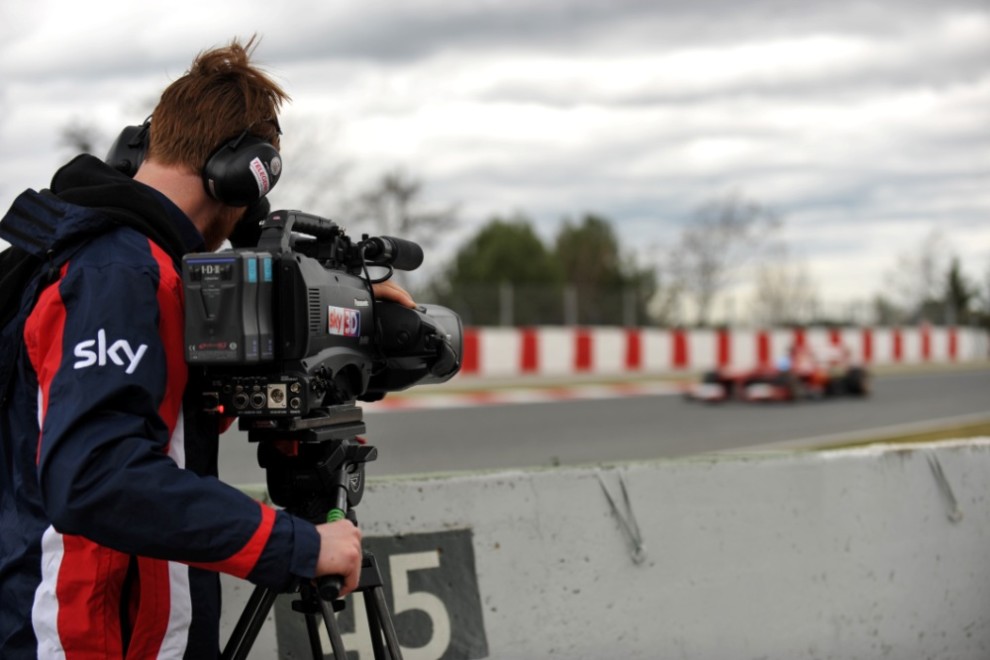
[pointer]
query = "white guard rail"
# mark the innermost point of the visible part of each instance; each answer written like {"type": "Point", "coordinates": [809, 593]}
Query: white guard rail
{"type": "Point", "coordinates": [491, 352]}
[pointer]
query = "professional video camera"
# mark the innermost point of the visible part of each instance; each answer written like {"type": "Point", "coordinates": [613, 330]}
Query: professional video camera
{"type": "Point", "coordinates": [290, 337]}
{"type": "Point", "coordinates": [290, 328]}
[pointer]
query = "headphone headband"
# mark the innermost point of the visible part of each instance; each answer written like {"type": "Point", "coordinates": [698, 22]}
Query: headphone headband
{"type": "Point", "coordinates": [239, 172]}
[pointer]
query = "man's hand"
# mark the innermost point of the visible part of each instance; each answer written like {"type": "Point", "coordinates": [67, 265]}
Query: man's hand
{"type": "Point", "coordinates": [389, 290]}
{"type": "Point", "coordinates": [340, 553]}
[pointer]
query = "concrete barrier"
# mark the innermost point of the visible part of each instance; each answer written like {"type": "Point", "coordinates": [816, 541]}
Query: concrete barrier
{"type": "Point", "coordinates": [861, 553]}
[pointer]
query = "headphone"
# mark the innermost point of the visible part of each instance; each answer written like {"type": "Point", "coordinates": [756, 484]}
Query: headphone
{"type": "Point", "coordinates": [239, 172]}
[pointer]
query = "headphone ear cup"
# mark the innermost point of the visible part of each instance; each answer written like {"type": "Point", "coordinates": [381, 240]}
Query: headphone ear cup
{"type": "Point", "coordinates": [128, 150]}
{"type": "Point", "coordinates": [242, 171]}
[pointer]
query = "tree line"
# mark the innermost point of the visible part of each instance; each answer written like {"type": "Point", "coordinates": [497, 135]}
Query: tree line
{"type": "Point", "coordinates": [583, 277]}
{"type": "Point", "coordinates": [505, 274]}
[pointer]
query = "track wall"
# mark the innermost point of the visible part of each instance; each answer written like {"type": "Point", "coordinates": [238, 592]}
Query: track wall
{"type": "Point", "coordinates": [860, 553]}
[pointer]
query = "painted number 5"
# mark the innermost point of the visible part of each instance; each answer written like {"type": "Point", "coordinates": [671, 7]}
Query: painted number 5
{"type": "Point", "coordinates": [402, 566]}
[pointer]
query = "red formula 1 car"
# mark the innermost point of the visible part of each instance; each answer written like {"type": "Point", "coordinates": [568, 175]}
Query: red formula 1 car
{"type": "Point", "coordinates": [797, 376]}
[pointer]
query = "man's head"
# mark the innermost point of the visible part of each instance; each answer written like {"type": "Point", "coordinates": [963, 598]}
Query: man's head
{"type": "Point", "coordinates": [221, 96]}
{"type": "Point", "coordinates": [223, 100]}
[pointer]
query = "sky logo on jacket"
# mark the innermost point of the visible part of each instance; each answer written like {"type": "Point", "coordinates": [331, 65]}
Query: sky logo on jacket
{"type": "Point", "coordinates": [119, 353]}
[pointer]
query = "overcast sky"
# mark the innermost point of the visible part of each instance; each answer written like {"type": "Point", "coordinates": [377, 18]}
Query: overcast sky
{"type": "Point", "coordinates": [866, 124]}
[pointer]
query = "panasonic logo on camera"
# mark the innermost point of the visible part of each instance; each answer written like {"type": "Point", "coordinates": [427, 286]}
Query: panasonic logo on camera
{"type": "Point", "coordinates": [96, 351]}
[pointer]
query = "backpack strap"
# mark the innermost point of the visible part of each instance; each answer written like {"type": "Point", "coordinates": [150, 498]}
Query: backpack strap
{"type": "Point", "coordinates": [33, 261]}
{"type": "Point", "coordinates": [32, 221]}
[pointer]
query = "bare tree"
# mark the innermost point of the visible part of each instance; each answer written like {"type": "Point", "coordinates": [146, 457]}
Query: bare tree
{"type": "Point", "coordinates": [314, 178]}
{"type": "Point", "coordinates": [80, 136]}
{"type": "Point", "coordinates": [785, 292]}
{"type": "Point", "coordinates": [961, 294]}
{"type": "Point", "coordinates": [393, 206]}
{"type": "Point", "coordinates": [84, 135]}
{"type": "Point", "coordinates": [917, 278]}
{"type": "Point", "coordinates": [665, 304]}
{"type": "Point", "coordinates": [723, 234]}
{"type": "Point", "coordinates": [984, 297]}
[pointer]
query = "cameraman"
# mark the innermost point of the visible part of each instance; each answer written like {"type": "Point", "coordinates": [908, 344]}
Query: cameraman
{"type": "Point", "coordinates": [114, 524]}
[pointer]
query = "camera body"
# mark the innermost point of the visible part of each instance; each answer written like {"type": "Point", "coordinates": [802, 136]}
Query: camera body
{"type": "Point", "coordinates": [290, 328]}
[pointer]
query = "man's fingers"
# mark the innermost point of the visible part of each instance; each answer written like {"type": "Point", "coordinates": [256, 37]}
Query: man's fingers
{"type": "Point", "coordinates": [389, 290]}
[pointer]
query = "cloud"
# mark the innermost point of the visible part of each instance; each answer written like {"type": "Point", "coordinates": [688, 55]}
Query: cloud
{"type": "Point", "coordinates": [865, 123]}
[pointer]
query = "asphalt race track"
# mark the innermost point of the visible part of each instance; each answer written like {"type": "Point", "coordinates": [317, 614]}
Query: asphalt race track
{"type": "Point", "coordinates": [583, 431]}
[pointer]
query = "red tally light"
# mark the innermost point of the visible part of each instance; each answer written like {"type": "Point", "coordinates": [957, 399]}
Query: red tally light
{"type": "Point", "coordinates": [220, 409]}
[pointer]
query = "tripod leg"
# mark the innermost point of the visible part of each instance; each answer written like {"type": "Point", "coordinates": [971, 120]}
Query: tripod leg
{"type": "Point", "coordinates": [381, 621]}
{"type": "Point", "coordinates": [315, 646]}
{"type": "Point", "coordinates": [374, 628]}
{"type": "Point", "coordinates": [330, 620]}
{"type": "Point", "coordinates": [249, 624]}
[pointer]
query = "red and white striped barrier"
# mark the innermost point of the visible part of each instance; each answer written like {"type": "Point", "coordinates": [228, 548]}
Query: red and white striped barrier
{"type": "Point", "coordinates": [494, 352]}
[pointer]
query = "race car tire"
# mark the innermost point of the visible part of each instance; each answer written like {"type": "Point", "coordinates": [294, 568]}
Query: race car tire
{"type": "Point", "coordinates": [791, 386]}
{"type": "Point", "coordinates": [836, 385]}
{"type": "Point", "coordinates": [716, 377]}
{"type": "Point", "coordinates": [857, 382]}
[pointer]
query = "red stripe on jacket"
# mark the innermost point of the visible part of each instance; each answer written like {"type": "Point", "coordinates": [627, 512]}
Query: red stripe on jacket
{"type": "Point", "coordinates": [170, 327]}
{"type": "Point", "coordinates": [48, 315]}
{"type": "Point", "coordinates": [243, 561]}
{"type": "Point", "coordinates": [88, 592]}
{"type": "Point", "coordinates": [150, 603]}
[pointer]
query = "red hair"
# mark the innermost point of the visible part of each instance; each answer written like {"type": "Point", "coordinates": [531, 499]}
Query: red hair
{"type": "Point", "coordinates": [222, 95]}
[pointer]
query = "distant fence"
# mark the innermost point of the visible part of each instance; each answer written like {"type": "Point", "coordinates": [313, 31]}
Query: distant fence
{"type": "Point", "coordinates": [505, 304]}
{"type": "Point", "coordinates": [561, 351]}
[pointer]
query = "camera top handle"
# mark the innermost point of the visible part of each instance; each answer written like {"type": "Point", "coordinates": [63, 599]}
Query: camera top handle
{"type": "Point", "coordinates": [276, 232]}
{"type": "Point", "coordinates": [277, 237]}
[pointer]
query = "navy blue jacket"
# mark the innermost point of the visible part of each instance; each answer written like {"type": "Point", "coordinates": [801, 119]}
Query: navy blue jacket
{"type": "Point", "coordinates": [114, 524]}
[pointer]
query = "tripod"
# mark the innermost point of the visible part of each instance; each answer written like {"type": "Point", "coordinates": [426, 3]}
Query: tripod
{"type": "Point", "coordinates": [315, 467]}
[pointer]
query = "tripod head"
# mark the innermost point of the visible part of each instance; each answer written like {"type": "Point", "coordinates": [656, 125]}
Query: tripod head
{"type": "Point", "coordinates": [316, 464]}
{"type": "Point", "coordinates": [314, 467]}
